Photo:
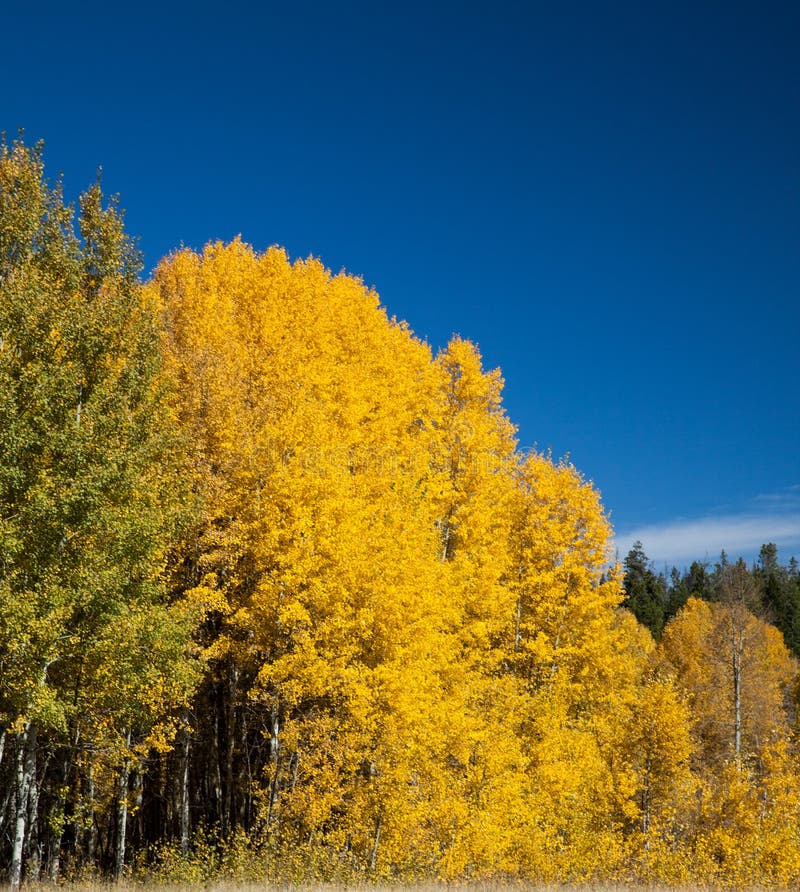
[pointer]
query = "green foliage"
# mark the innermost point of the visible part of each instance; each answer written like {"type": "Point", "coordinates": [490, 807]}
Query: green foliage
{"type": "Point", "coordinates": [92, 652]}
{"type": "Point", "coordinates": [645, 594]}
{"type": "Point", "coordinates": [780, 594]}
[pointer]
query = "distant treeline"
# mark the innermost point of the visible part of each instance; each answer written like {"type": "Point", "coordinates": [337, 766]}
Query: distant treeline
{"type": "Point", "coordinates": [280, 598]}
{"type": "Point", "coordinates": [655, 598]}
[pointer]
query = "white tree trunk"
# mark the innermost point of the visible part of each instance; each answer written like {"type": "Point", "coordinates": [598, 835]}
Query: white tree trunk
{"type": "Point", "coordinates": [185, 794]}
{"type": "Point", "coordinates": [737, 702]}
{"type": "Point", "coordinates": [92, 846]}
{"type": "Point", "coordinates": [26, 763]}
{"type": "Point", "coordinates": [373, 861]}
{"type": "Point", "coordinates": [122, 814]}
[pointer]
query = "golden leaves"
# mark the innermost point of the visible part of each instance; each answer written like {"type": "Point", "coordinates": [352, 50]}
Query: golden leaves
{"type": "Point", "coordinates": [428, 617]}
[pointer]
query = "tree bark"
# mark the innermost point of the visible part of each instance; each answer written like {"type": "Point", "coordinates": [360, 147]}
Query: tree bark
{"type": "Point", "coordinates": [184, 815]}
{"type": "Point", "coordinates": [26, 764]}
{"type": "Point", "coordinates": [92, 842]}
{"type": "Point", "coordinates": [229, 820]}
{"type": "Point", "coordinates": [33, 845]}
{"type": "Point", "coordinates": [737, 702]}
{"type": "Point", "coordinates": [58, 835]}
{"type": "Point", "coordinates": [373, 861]}
{"type": "Point", "coordinates": [122, 813]}
{"type": "Point", "coordinates": [274, 757]}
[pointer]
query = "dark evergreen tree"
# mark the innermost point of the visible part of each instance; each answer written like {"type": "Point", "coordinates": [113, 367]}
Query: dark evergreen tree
{"type": "Point", "coordinates": [780, 595]}
{"type": "Point", "coordinates": [698, 582]}
{"type": "Point", "coordinates": [677, 594]}
{"type": "Point", "coordinates": [645, 594]}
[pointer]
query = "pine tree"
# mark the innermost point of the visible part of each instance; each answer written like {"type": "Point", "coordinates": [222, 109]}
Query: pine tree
{"type": "Point", "coordinates": [780, 594]}
{"type": "Point", "coordinates": [644, 591]}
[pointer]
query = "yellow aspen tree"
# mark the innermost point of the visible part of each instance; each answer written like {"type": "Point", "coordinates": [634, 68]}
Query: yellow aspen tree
{"type": "Point", "coordinates": [473, 453]}
{"type": "Point", "coordinates": [311, 413]}
{"type": "Point", "coordinates": [698, 643]}
{"type": "Point", "coordinates": [579, 660]}
{"type": "Point", "coordinates": [656, 743]}
{"type": "Point", "coordinates": [736, 672]}
{"type": "Point", "coordinates": [564, 618]}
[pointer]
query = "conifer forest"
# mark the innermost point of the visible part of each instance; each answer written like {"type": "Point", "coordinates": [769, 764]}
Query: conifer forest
{"type": "Point", "coordinates": [281, 597]}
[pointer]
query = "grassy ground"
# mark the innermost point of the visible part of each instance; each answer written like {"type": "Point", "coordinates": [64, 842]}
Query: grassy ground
{"type": "Point", "coordinates": [231, 886]}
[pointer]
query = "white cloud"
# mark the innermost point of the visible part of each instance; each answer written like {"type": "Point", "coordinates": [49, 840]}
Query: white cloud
{"type": "Point", "coordinates": [785, 498]}
{"type": "Point", "coordinates": [681, 541]}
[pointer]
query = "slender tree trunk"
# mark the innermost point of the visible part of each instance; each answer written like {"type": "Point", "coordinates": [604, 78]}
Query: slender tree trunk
{"type": "Point", "coordinates": [447, 536]}
{"type": "Point", "coordinates": [557, 642]}
{"type": "Point", "coordinates": [247, 793]}
{"type": "Point", "coordinates": [6, 804]}
{"type": "Point", "coordinates": [58, 835]}
{"type": "Point", "coordinates": [26, 764]}
{"type": "Point", "coordinates": [230, 748]}
{"type": "Point", "coordinates": [9, 787]}
{"type": "Point", "coordinates": [122, 813]}
{"type": "Point", "coordinates": [274, 755]}
{"type": "Point", "coordinates": [373, 861]}
{"type": "Point", "coordinates": [137, 826]}
{"type": "Point", "coordinates": [216, 773]}
{"type": "Point", "coordinates": [92, 841]}
{"type": "Point", "coordinates": [646, 796]}
{"type": "Point", "coordinates": [34, 849]}
{"type": "Point", "coordinates": [184, 814]}
{"type": "Point", "coordinates": [737, 702]}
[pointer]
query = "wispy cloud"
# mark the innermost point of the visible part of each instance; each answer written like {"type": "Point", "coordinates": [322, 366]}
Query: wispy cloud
{"type": "Point", "coordinates": [786, 498]}
{"type": "Point", "coordinates": [681, 541]}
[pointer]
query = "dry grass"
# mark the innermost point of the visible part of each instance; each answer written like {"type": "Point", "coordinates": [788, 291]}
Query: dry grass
{"type": "Point", "coordinates": [488, 886]}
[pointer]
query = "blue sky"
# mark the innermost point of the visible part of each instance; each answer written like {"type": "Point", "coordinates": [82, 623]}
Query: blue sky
{"type": "Point", "coordinates": [604, 196]}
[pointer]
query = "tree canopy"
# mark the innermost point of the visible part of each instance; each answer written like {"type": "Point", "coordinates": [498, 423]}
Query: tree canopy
{"type": "Point", "coordinates": [280, 596]}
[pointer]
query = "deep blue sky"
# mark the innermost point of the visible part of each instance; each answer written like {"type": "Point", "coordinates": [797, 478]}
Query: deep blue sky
{"type": "Point", "coordinates": [605, 196]}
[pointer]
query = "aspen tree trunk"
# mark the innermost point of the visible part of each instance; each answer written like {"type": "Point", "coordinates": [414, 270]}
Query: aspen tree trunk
{"type": "Point", "coordinates": [5, 805]}
{"type": "Point", "coordinates": [26, 763]}
{"type": "Point", "coordinates": [185, 794]}
{"type": "Point", "coordinates": [55, 842]}
{"type": "Point", "coordinates": [230, 744]}
{"type": "Point", "coordinates": [447, 535]}
{"type": "Point", "coordinates": [737, 701]}
{"type": "Point", "coordinates": [737, 620]}
{"type": "Point", "coordinates": [137, 823]}
{"type": "Point", "coordinates": [215, 781]}
{"type": "Point", "coordinates": [274, 753]}
{"type": "Point", "coordinates": [373, 861]}
{"type": "Point", "coordinates": [10, 787]}
{"type": "Point", "coordinates": [34, 848]}
{"type": "Point", "coordinates": [245, 804]}
{"type": "Point", "coordinates": [646, 795]}
{"type": "Point", "coordinates": [92, 843]}
{"type": "Point", "coordinates": [738, 594]}
{"type": "Point", "coordinates": [122, 814]}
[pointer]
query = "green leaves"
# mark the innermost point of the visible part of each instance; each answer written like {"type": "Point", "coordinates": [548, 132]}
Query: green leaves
{"type": "Point", "coordinates": [92, 494]}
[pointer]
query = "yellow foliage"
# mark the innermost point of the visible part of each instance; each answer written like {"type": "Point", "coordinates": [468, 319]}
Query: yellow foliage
{"type": "Point", "coordinates": [426, 619]}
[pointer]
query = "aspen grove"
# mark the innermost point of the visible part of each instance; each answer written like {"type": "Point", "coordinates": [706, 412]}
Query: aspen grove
{"type": "Point", "coordinates": [281, 597]}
